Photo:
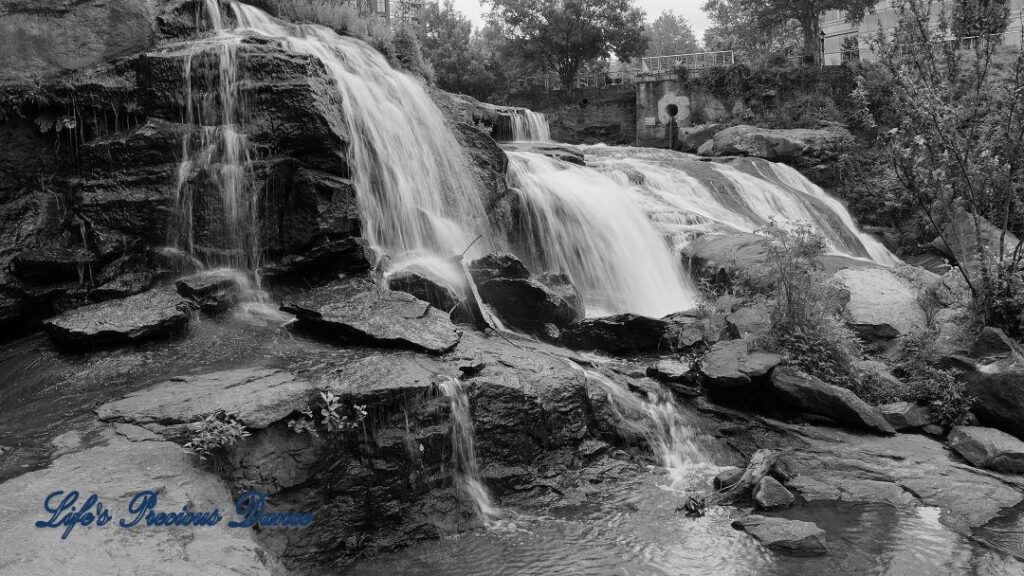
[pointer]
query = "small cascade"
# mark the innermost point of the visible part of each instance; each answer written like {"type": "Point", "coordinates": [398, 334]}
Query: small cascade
{"type": "Point", "coordinates": [464, 452]}
{"type": "Point", "coordinates": [529, 126]}
{"type": "Point", "coordinates": [416, 192]}
{"type": "Point", "coordinates": [578, 221]}
{"type": "Point", "coordinates": [218, 158]}
{"type": "Point", "coordinates": [658, 420]}
{"type": "Point", "coordinates": [686, 197]}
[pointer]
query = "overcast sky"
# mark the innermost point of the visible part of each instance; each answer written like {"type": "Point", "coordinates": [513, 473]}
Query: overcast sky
{"type": "Point", "coordinates": [689, 9]}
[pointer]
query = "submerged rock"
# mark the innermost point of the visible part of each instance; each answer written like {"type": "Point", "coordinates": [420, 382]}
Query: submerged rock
{"type": "Point", "coordinates": [730, 367]}
{"type": "Point", "coordinates": [810, 394]}
{"type": "Point", "coordinates": [988, 448]}
{"type": "Point", "coordinates": [790, 537]}
{"type": "Point", "coordinates": [137, 318]}
{"type": "Point", "coordinates": [769, 494]}
{"type": "Point", "coordinates": [359, 312]}
{"type": "Point", "coordinates": [425, 285]}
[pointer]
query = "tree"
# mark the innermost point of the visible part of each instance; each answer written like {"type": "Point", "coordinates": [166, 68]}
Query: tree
{"type": "Point", "coordinates": [771, 14]}
{"type": "Point", "coordinates": [980, 17]}
{"type": "Point", "coordinates": [565, 35]}
{"type": "Point", "coordinates": [670, 34]}
{"type": "Point", "coordinates": [735, 28]}
{"type": "Point", "coordinates": [461, 59]}
{"type": "Point", "coordinates": [958, 148]}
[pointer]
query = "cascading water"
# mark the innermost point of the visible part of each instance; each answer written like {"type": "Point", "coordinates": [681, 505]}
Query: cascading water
{"type": "Point", "coordinates": [218, 158]}
{"type": "Point", "coordinates": [464, 451]}
{"type": "Point", "coordinates": [529, 126]}
{"type": "Point", "coordinates": [416, 193]}
{"type": "Point", "coordinates": [578, 221]}
{"type": "Point", "coordinates": [686, 197]}
{"type": "Point", "coordinates": [657, 419]}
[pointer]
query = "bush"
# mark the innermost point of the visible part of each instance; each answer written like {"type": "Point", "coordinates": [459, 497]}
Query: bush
{"type": "Point", "coordinates": [215, 433]}
{"type": "Point", "coordinates": [940, 390]}
{"type": "Point", "coordinates": [409, 52]}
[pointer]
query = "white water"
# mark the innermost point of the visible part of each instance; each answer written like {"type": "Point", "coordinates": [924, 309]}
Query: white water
{"type": "Point", "coordinates": [578, 221]}
{"type": "Point", "coordinates": [686, 197]}
{"type": "Point", "coordinates": [415, 190]}
{"type": "Point", "coordinates": [529, 126]}
{"type": "Point", "coordinates": [657, 419]}
{"type": "Point", "coordinates": [464, 452]}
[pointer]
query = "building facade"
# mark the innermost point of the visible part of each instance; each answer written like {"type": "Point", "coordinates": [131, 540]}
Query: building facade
{"type": "Point", "coordinates": [843, 40]}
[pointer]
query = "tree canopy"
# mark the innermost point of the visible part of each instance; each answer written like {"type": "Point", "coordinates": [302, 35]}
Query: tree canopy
{"type": "Point", "coordinates": [463, 61]}
{"type": "Point", "coordinates": [566, 35]}
{"type": "Point", "coordinates": [735, 28]}
{"type": "Point", "coordinates": [769, 15]}
{"type": "Point", "coordinates": [670, 34]}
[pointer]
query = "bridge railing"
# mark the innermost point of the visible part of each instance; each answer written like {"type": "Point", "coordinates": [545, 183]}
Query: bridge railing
{"type": "Point", "coordinates": [694, 61]}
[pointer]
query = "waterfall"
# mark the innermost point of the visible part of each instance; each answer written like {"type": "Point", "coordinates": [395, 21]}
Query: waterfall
{"type": "Point", "coordinates": [416, 192]}
{"type": "Point", "coordinates": [529, 126]}
{"type": "Point", "coordinates": [217, 158]}
{"type": "Point", "coordinates": [686, 197]}
{"type": "Point", "coordinates": [657, 419]}
{"type": "Point", "coordinates": [577, 220]}
{"type": "Point", "coordinates": [464, 451]}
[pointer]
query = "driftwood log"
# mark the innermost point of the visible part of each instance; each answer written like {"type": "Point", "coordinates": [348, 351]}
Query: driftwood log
{"type": "Point", "coordinates": [763, 463]}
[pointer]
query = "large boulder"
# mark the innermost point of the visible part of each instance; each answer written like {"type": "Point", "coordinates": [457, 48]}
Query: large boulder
{"type": "Point", "coordinates": [882, 306]}
{"type": "Point", "coordinates": [527, 304]}
{"type": "Point", "coordinates": [769, 494]}
{"type": "Point", "coordinates": [562, 285]}
{"type": "Point", "coordinates": [962, 240]}
{"type": "Point", "coordinates": [988, 448]}
{"type": "Point", "coordinates": [137, 318]}
{"type": "Point", "coordinates": [729, 366]}
{"type": "Point", "coordinates": [214, 291]}
{"type": "Point", "coordinates": [811, 395]}
{"type": "Point", "coordinates": [498, 265]}
{"type": "Point", "coordinates": [790, 537]}
{"type": "Point", "coordinates": [620, 334]}
{"type": "Point", "coordinates": [693, 137]}
{"type": "Point", "coordinates": [426, 285]}
{"type": "Point", "coordinates": [359, 312]}
{"type": "Point", "coordinates": [778, 145]}
{"type": "Point", "coordinates": [998, 389]}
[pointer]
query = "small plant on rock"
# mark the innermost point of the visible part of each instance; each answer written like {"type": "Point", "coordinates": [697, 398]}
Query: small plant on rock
{"type": "Point", "coordinates": [328, 415]}
{"type": "Point", "coordinates": [944, 394]}
{"type": "Point", "coordinates": [215, 433]}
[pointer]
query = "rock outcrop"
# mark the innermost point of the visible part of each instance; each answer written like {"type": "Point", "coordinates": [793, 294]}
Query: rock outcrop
{"type": "Point", "coordinates": [988, 448]}
{"type": "Point", "coordinates": [882, 306]}
{"type": "Point", "coordinates": [729, 367]}
{"type": "Point", "coordinates": [790, 537]}
{"type": "Point", "coordinates": [360, 312]}
{"type": "Point", "coordinates": [425, 285]}
{"type": "Point", "coordinates": [145, 316]}
{"type": "Point", "coordinates": [778, 145]}
{"type": "Point", "coordinates": [811, 395]}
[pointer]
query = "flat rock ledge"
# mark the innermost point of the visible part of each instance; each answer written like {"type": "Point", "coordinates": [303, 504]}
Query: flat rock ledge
{"type": "Point", "coordinates": [790, 537]}
{"type": "Point", "coordinates": [362, 313]}
{"type": "Point", "coordinates": [141, 317]}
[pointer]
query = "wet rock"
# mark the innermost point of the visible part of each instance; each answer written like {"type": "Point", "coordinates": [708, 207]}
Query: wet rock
{"type": "Point", "coordinates": [144, 316]}
{"type": "Point", "coordinates": [934, 430]}
{"type": "Point", "coordinates": [358, 312]}
{"type": "Point", "coordinates": [693, 137]}
{"type": "Point", "coordinates": [810, 394]}
{"type": "Point", "coordinates": [727, 478]}
{"type": "Point", "coordinates": [123, 277]}
{"type": "Point", "coordinates": [558, 151]}
{"type": "Point", "coordinates": [621, 334]}
{"type": "Point", "coordinates": [301, 206]}
{"type": "Point", "coordinates": [769, 494]}
{"type": "Point", "coordinates": [790, 537]}
{"type": "Point", "coordinates": [778, 145]}
{"type": "Point", "coordinates": [116, 470]}
{"type": "Point", "coordinates": [669, 371]}
{"type": "Point", "coordinates": [882, 305]}
{"type": "Point", "coordinates": [905, 415]}
{"type": "Point", "coordinates": [66, 442]}
{"type": "Point", "coordinates": [425, 285]}
{"type": "Point", "coordinates": [688, 329]}
{"type": "Point", "coordinates": [499, 265]}
{"type": "Point", "coordinates": [730, 367]}
{"type": "Point", "coordinates": [562, 285]}
{"type": "Point", "coordinates": [256, 397]}
{"type": "Point", "coordinates": [527, 304]}
{"type": "Point", "coordinates": [346, 256]}
{"type": "Point", "coordinates": [214, 291]}
{"type": "Point", "coordinates": [54, 264]}
{"type": "Point", "coordinates": [811, 489]}
{"type": "Point", "coordinates": [988, 448]}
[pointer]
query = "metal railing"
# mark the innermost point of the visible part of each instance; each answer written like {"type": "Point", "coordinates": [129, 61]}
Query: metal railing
{"type": "Point", "coordinates": [695, 61]}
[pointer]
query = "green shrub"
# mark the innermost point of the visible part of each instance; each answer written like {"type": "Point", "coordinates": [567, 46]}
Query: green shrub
{"type": "Point", "coordinates": [409, 52]}
{"type": "Point", "coordinates": [940, 390]}
{"type": "Point", "coordinates": [328, 415]}
{"type": "Point", "coordinates": [215, 433]}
